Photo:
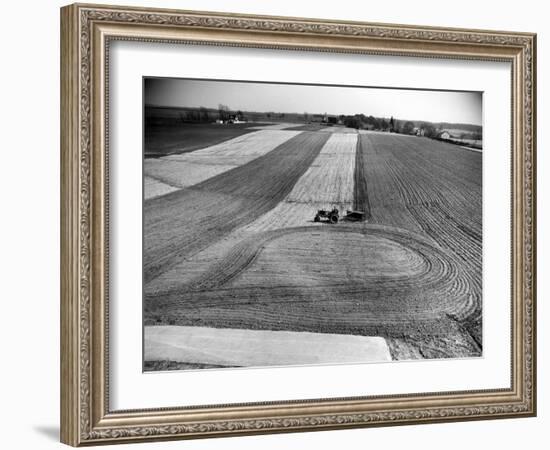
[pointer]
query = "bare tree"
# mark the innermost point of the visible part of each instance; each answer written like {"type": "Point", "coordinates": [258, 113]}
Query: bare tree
{"type": "Point", "coordinates": [223, 111]}
{"type": "Point", "coordinates": [204, 114]}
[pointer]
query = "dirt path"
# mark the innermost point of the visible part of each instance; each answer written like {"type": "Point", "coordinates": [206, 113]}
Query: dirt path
{"type": "Point", "coordinates": [182, 223]}
{"type": "Point", "coordinates": [275, 126]}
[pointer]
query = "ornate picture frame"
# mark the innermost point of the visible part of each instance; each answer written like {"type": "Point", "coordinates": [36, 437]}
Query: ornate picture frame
{"type": "Point", "coordinates": [86, 34]}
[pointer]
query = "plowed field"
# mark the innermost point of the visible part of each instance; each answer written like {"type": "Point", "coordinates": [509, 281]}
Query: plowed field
{"type": "Point", "coordinates": [240, 250]}
{"type": "Point", "coordinates": [182, 223]}
{"type": "Point", "coordinates": [434, 189]}
{"type": "Point", "coordinates": [161, 140]}
{"type": "Point", "coordinates": [372, 281]}
{"type": "Point", "coordinates": [327, 182]}
{"type": "Point", "coordinates": [174, 172]}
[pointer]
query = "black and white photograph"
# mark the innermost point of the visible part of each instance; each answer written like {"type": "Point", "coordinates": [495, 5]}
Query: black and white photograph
{"type": "Point", "coordinates": [302, 224]}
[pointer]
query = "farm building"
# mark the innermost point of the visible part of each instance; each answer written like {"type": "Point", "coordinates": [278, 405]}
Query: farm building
{"type": "Point", "coordinates": [321, 118]}
{"type": "Point", "coordinates": [447, 135]}
{"type": "Point", "coordinates": [325, 118]}
{"type": "Point", "coordinates": [232, 118]}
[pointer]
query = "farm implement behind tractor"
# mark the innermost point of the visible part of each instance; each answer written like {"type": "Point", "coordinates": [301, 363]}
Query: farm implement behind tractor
{"type": "Point", "coordinates": [333, 215]}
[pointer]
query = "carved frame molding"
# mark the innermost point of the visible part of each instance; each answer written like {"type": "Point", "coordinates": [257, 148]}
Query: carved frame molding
{"type": "Point", "coordinates": [86, 32]}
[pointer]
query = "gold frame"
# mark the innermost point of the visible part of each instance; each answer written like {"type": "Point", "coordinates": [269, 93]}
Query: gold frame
{"type": "Point", "coordinates": [86, 31]}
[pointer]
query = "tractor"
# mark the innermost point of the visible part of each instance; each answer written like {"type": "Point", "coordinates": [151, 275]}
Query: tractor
{"type": "Point", "coordinates": [330, 216]}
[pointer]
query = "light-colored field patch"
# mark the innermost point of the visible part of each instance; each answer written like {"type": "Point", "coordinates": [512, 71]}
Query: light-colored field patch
{"type": "Point", "coordinates": [188, 169]}
{"type": "Point", "coordinates": [274, 126]}
{"type": "Point", "coordinates": [328, 182]}
{"type": "Point", "coordinates": [286, 215]}
{"type": "Point", "coordinates": [179, 174]}
{"type": "Point", "coordinates": [330, 179]}
{"type": "Point", "coordinates": [156, 188]}
{"type": "Point", "coordinates": [254, 348]}
{"type": "Point", "coordinates": [185, 222]}
{"type": "Point", "coordinates": [339, 129]}
{"type": "Point", "coordinates": [384, 133]}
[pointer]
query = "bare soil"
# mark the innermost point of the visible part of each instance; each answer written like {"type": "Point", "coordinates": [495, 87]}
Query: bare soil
{"type": "Point", "coordinates": [361, 280]}
{"type": "Point", "coordinates": [309, 127]}
{"type": "Point", "coordinates": [174, 172]}
{"type": "Point", "coordinates": [187, 137]}
{"type": "Point", "coordinates": [182, 223]}
{"type": "Point", "coordinates": [411, 273]}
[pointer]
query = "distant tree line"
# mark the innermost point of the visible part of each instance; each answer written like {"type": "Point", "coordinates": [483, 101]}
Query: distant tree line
{"type": "Point", "coordinates": [160, 116]}
{"type": "Point", "coordinates": [361, 121]}
{"type": "Point", "coordinates": [169, 115]}
{"type": "Point", "coordinates": [428, 129]}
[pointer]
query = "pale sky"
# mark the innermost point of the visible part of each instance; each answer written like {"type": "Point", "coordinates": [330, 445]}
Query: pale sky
{"type": "Point", "coordinates": [433, 106]}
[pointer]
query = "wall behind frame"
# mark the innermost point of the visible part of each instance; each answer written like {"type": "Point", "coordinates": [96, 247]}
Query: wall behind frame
{"type": "Point", "coordinates": [29, 225]}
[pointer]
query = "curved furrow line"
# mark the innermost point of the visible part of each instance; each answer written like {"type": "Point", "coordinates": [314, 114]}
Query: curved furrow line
{"type": "Point", "coordinates": [424, 202]}
{"type": "Point", "coordinates": [437, 275]}
{"type": "Point", "coordinates": [241, 256]}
